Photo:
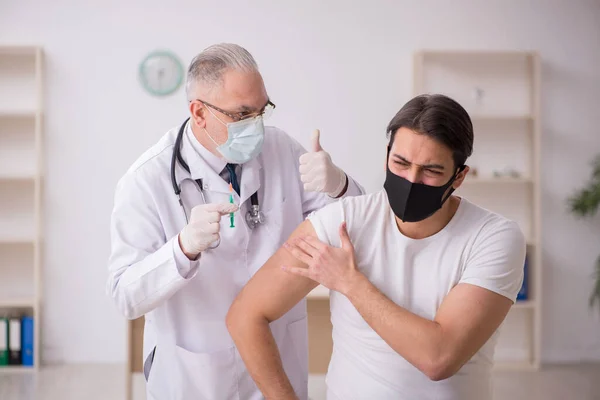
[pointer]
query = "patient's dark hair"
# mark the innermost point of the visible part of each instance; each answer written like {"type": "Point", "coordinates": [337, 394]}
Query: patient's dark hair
{"type": "Point", "coordinates": [440, 118]}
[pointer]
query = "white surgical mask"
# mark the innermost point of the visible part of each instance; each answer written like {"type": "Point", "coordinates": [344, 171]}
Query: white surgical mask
{"type": "Point", "coordinates": [244, 139]}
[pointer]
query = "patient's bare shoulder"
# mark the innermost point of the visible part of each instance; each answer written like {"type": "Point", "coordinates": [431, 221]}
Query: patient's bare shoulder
{"type": "Point", "coordinates": [271, 292]}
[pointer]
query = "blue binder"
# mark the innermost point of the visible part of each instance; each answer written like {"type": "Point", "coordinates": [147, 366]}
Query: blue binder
{"type": "Point", "coordinates": [524, 292]}
{"type": "Point", "coordinates": [27, 341]}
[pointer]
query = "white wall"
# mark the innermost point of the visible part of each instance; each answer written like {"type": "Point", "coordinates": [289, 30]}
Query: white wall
{"type": "Point", "coordinates": [344, 68]}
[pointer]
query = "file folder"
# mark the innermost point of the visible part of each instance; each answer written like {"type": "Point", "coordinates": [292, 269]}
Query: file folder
{"type": "Point", "coordinates": [524, 291]}
{"type": "Point", "coordinates": [14, 341]}
{"type": "Point", "coordinates": [3, 342]}
{"type": "Point", "coordinates": [27, 341]}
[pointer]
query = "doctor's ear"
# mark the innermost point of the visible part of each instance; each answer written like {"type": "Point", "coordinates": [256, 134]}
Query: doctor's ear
{"type": "Point", "coordinates": [198, 113]}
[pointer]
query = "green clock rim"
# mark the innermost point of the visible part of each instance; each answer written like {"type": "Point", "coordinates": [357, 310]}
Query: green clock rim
{"type": "Point", "coordinates": [178, 63]}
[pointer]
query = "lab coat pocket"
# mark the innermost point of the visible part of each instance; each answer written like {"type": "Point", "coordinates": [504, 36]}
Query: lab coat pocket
{"type": "Point", "coordinates": [159, 379]}
{"type": "Point", "coordinates": [206, 376]}
{"type": "Point", "coordinates": [296, 356]}
{"type": "Point", "coordinates": [148, 363]}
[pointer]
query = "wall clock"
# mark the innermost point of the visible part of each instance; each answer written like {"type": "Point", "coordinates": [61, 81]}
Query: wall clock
{"type": "Point", "coordinates": [161, 73]}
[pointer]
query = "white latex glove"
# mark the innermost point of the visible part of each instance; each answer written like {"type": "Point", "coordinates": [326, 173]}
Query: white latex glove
{"type": "Point", "coordinates": [318, 172]}
{"type": "Point", "coordinates": [203, 227]}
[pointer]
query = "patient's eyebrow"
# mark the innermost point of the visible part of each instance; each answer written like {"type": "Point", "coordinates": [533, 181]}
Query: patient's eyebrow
{"type": "Point", "coordinates": [398, 157]}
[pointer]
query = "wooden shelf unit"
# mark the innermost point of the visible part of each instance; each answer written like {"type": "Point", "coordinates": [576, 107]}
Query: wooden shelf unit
{"type": "Point", "coordinates": [501, 92]}
{"type": "Point", "coordinates": [21, 181]}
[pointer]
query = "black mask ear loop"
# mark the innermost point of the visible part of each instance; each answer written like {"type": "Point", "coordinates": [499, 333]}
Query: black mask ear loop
{"type": "Point", "coordinates": [460, 169]}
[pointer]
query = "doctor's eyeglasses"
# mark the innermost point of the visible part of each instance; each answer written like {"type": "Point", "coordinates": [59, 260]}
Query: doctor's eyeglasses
{"type": "Point", "coordinates": [266, 111]}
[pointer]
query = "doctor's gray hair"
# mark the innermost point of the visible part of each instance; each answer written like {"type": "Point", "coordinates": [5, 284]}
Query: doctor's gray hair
{"type": "Point", "coordinates": [212, 62]}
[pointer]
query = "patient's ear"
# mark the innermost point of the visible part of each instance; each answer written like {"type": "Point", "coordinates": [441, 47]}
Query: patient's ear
{"type": "Point", "coordinates": [461, 177]}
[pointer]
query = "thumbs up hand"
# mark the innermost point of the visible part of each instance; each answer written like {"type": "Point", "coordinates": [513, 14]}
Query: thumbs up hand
{"type": "Point", "coordinates": [318, 172]}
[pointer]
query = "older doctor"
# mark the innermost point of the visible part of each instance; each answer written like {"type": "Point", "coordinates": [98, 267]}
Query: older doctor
{"type": "Point", "coordinates": [181, 261]}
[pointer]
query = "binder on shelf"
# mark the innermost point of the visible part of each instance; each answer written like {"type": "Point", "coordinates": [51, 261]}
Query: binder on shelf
{"type": "Point", "coordinates": [14, 341]}
{"type": "Point", "coordinates": [27, 341]}
{"type": "Point", "coordinates": [524, 292]}
{"type": "Point", "coordinates": [3, 342]}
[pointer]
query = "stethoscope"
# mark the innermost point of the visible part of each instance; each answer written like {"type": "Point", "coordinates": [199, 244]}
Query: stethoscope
{"type": "Point", "coordinates": [254, 216]}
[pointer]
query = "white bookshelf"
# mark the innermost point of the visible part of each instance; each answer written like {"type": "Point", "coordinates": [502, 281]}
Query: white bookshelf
{"type": "Point", "coordinates": [21, 173]}
{"type": "Point", "coordinates": [501, 92]}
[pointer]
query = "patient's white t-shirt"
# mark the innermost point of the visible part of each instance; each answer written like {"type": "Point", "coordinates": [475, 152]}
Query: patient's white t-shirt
{"type": "Point", "coordinates": [477, 247]}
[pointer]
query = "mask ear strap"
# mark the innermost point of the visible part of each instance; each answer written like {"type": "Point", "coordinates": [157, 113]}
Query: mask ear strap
{"type": "Point", "coordinates": [449, 194]}
{"type": "Point", "coordinates": [460, 169]}
{"type": "Point", "coordinates": [213, 114]}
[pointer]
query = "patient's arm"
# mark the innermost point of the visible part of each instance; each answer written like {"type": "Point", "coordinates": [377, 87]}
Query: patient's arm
{"type": "Point", "coordinates": [268, 295]}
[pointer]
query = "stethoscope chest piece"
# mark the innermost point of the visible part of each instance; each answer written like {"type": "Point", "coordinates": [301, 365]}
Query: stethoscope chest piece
{"type": "Point", "coordinates": [254, 216]}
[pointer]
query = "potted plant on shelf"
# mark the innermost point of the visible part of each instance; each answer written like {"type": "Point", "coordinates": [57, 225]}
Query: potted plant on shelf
{"type": "Point", "coordinates": [585, 203]}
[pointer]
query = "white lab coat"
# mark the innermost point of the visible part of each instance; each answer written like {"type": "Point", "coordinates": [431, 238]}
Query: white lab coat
{"type": "Point", "coordinates": [185, 302]}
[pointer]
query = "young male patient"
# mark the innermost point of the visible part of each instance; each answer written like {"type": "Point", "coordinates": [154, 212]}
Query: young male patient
{"type": "Point", "coordinates": [420, 279]}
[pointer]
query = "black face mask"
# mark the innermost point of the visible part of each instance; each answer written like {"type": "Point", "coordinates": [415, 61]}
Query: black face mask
{"type": "Point", "coordinates": [413, 202]}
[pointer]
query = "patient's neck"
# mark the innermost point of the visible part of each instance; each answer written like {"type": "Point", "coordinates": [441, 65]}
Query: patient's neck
{"type": "Point", "coordinates": [432, 225]}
